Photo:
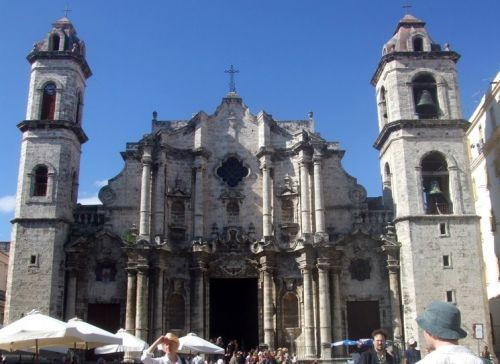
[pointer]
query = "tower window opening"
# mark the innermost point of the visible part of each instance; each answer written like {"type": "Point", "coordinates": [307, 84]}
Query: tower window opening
{"type": "Point", "coordinates": [48, 102]}
{"type": "Point", "coordinates": [41, 181]}
{"type": "Point", "coordinates": [450, 296]}
{"type": "Point", "coordinates": [446, 261]}
{"type": "Point", "coordinates": [442, 229]}
{"type": "Point", "coordinates": [56, 40]}
{"type": "Point", "coordinates": [383, 104]}
{"type": "Point", "coordinates": [435, 179]}
{"type": "Point", "coordinates": [78, 113]}
{"type": "Point", "coordinates": [418, 44]}
{"type": "Point", "coordinates": [425, 97]}
{"type": "Point", "coordinates": [34, 260]}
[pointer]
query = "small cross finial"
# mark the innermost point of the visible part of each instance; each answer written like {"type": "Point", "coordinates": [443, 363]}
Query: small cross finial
{"type": "Point", "coordinates": [66, 10]}
{"type": "Point", "coordinates": [231, 71]}
{"type": "Point", "coordinates": [407, 8]}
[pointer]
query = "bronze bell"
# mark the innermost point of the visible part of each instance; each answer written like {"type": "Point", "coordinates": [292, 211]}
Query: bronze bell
{"type": "Point", "coordinates": [434, 189]}
{"type": "Point", "coordinates": [425, 104]}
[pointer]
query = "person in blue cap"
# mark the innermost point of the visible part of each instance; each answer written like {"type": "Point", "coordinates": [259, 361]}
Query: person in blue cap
{"type": "Point", "coordinates": [441, 324]}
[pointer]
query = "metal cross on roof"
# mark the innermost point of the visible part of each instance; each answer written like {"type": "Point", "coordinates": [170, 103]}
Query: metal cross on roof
{"type": "Point", "coordinates": [66, 10]}
{"type": "Point", "coordinates": [231, 71]}
{"type": "Point", "coordinates": [407, 8]}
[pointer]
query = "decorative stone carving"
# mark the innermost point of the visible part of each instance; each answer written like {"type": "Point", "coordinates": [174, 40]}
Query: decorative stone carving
{"type": "Point", "coordinates": [107, 195]}
{"type": "Point", "coordinates": [179, 189]}
{"type": "Point", "coordinates": [360, 269]}
{"type": "Point", "coordinates": [129, 236]}
{"type": "Point", "coordinates": [357, 194]}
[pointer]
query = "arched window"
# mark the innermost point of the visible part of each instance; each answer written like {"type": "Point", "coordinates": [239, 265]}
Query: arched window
{"type": "Point", "coordinates": [383, 105]}
{"type": "Point", "coordinates": [418, 44]}
{"type": "Point", "coordinates": [176, 314]}
{"type": "Point", "coordinates": [287, 210]}
{"type": "Point", "coordinates": [55, 42]}
{"type": "Point", "coordinates": [387, 170]}
{"type": "Point", "coordinates": [78, 113]}
{"type": "Point", "coordinates": [425, 97]}
{"type": "Point", "coordinates": [178, 213]}
{"type": "Point", "coordinates": [435, 181]}
{"type": "Point", "coordinates": [74, 187]}
{"type": "Point", "coordinates": [41, 180]}
{"type": "Point", "coordinates": [48, 102]}
{"type": "Point", "coordinates": [233, 212]}
{"type": "Point", "coordinates": [290, 310]}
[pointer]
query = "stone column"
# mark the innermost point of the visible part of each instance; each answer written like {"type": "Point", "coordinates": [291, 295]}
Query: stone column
{"type": "Point", "coordinates": [324, 307]}
{"type": "Point", "coordinates": [266, 196]}
{"type": "Point", "coordinates": [268, 305]}
{"type": "Point", "coordinates": [319, 208]}
{"type": "Point", "coordinates": [130, 309]}
{"type": "Point", "coordinates": [395, 297]}
{"type": "Point", "coordinates": [198, 307]}
{"type": "Point", "coordinates": [391, 247]}
{"type": "Point", "coordinates": [198, 198]}
{"type": "Point", "coordinates": [145, 212]}
{"type": "Point", "coordinates": [310, 347]}
{"type": "Point", "coordinates": [337, 309]}
{"type": "Point", "coordinates": [141, 317]}
{"type": "Point", "coordinates": [304, 195]}
{"type": "Point", "coordinates": [418, 194]}
{"type": "Point", "coordinates": [456, 193]}
{"type": "Point", "coordinates": [158, 314]}
{"type": "Point", "coordinates": [71, 294]}
{"type": "Point", "coordinates": [159, 197]}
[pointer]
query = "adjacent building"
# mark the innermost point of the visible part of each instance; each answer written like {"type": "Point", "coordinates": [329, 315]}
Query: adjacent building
{"type": "Point", "coordinates": [483, 139]}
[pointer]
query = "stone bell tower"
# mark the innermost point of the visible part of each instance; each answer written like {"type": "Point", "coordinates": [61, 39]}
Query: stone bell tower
{"type": "Point", "coordinates": [47, 187]}
{"type": "Point", "coordinates": [426, 179]}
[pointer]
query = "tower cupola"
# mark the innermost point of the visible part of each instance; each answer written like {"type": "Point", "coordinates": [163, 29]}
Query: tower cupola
{"type": "Point", "coordinates": [410, 36]}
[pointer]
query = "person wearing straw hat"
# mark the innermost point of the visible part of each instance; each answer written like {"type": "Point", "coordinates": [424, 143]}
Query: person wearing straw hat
{"type": "Point", "coordinates": [441, 324]}
{"type": "Point", "coordinates": [170, 345]}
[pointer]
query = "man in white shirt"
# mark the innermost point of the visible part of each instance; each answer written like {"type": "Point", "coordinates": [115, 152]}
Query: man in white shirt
{"type": "Point", "coordinates": [170, 343]}
{"type": "Point", "coordinates": [441, 324]}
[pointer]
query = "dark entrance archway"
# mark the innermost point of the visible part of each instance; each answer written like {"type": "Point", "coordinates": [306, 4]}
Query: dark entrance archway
{"type": "Point", "coordinates": [234, 311]}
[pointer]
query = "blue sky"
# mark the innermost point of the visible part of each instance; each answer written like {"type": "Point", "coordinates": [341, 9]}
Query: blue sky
{"type": "Point", "coordinates": [294, 56]}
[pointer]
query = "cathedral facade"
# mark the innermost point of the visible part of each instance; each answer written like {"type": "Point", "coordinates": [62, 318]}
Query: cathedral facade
{"type": "Point", "coordinates": [238, 225]}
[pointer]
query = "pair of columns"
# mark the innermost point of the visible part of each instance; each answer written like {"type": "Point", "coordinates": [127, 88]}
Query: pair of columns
{"type": "Point", "coordinates": [146, 183]}
{"type": "Point", "coordinates": [136, 317]}
{"type": "Point", "coordinates": [305, 200]}
{"type": "Point", "coordinates": [324, 306]}
{"type": "Point", "coordinates": [319, 209]}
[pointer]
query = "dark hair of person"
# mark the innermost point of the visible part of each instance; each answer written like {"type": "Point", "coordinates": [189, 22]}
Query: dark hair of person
{"type": "Point", "coordinates": [379, 332]}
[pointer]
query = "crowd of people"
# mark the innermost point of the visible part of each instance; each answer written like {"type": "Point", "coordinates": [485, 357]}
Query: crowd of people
{"type": "Point", "coordinates": [440, 322]}
{"type": "Point", "coordinates": [233, 354]}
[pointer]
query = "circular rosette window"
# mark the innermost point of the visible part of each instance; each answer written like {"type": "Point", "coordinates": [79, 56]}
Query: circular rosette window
{"type": "Point", "coordinates": [232, 171]}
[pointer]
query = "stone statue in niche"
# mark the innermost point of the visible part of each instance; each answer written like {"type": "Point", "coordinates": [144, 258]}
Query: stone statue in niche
{"type": "Point", "coordinates": [360, 269]}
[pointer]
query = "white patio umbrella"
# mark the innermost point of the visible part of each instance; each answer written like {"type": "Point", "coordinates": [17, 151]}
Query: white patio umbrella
{"type": "Point", "coordinates": [91, 336]}
{"type": "Point", "coordinates": [37, 331]}
{"type": "Point", "coordinates": [195, 343]}
{"type": "Point", "coordinates": [130, 343]}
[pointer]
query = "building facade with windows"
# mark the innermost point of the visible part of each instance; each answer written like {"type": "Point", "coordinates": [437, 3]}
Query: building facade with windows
{"type": "Point", "coordinates": [483, 138]}
{"type": "Point", "coordinates": [239, 225]}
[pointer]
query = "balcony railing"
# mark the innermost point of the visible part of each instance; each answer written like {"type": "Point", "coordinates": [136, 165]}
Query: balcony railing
{"type": "Point", "coordinates": [435, 208]}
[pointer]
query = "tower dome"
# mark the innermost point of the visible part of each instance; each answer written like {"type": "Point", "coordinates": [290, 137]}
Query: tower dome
{"type": "Point", "coordinates": [410, 36]}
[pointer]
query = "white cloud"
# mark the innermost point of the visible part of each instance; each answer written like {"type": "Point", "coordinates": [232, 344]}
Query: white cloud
{"type": "Point", "coordinates": [91, 200]}
{"type": "Point", "coordinates": [7, 204]}
{"type": "Point", "coordinates": [102, 183]}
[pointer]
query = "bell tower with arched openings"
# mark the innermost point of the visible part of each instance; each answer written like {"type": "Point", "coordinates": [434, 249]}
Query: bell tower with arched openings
{"type": "Point", "coordinates": [426, 179]}
{"type": "Point", "coordinates": [47, 187]}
